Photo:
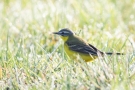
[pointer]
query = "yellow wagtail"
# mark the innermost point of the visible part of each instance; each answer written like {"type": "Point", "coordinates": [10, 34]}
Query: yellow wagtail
{"type": "Point", "coordinates": [74, 46]}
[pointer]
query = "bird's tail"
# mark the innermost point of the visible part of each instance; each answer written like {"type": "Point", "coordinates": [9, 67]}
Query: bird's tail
{"type": "Point", "coordinates": [110, 53]}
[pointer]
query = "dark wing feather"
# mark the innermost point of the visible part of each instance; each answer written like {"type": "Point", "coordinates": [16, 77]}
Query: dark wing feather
{"type": "Point", "coordinates": [93, 47]}
{"type": "Point", "coordinates": [83, 48]}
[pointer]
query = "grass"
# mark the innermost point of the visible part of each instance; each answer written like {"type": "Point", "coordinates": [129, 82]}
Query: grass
{"type": "Point", "coordinates": [32, 58]}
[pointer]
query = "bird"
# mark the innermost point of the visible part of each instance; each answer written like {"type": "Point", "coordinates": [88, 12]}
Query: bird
{"type": "Point", "coordinates": [74, 46]}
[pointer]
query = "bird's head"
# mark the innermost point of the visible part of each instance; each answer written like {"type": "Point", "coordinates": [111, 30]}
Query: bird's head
{"type": "Point", "coordinates": [64, 33]}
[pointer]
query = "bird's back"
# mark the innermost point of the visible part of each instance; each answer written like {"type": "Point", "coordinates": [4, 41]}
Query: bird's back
{"type": "Point", "coordinates": [75, 45]}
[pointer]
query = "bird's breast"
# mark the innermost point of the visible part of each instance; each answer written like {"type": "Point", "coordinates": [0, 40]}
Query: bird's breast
{"type": "Point", "coordinates": [69, 52]}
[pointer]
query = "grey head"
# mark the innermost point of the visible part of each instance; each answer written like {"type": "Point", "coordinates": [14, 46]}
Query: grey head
{"type": "Point", "coordinates": [64, 32]}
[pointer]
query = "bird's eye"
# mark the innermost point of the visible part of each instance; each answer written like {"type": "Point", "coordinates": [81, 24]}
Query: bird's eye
{"type": "Point", "coordinates": [62, 32]}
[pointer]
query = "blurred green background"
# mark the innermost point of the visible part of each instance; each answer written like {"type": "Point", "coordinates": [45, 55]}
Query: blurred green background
{"type": "Point", "coordinates": [31, 57]}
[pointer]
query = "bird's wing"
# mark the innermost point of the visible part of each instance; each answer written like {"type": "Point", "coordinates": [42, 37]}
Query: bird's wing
{"type": "Point", "coordinates": [93, 47]}
{"type": "Point", "coordinates": [82, 48]}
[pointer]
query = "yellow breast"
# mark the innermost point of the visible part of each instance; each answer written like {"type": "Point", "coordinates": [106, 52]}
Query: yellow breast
{"type": "Point", "coordinates": [73, 54]}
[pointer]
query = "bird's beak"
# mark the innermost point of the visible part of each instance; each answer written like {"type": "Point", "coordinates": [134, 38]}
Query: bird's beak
{"type": "Point", "coordinates": [56, 33]}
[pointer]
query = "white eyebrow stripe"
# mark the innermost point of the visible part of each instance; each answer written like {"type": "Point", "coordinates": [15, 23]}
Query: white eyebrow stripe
{"type": "Point", "coordinates": [64, 32]}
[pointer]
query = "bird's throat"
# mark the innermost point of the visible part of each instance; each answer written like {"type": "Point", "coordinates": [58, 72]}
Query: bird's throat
{"type": "Point", "coordinates": [64, 38]}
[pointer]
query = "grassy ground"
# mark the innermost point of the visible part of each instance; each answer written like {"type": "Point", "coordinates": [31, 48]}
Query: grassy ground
{"type": "Point", "coordinates": [32, 58]}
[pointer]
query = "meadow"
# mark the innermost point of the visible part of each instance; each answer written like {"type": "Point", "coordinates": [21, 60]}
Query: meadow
{"type": "Point", "coordinates": [32, 58]}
